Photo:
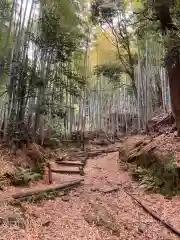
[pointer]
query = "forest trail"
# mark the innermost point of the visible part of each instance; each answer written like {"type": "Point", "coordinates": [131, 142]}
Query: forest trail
{"type": "Point", "coordinates": [98, 210]}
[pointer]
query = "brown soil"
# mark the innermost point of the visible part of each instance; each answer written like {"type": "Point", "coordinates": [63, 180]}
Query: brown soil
{"type": "Point", "coordinates": [98, 210]}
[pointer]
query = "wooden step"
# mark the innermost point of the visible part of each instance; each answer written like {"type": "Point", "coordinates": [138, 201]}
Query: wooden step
{"type": "Point", "coordinates": [70, 163]}
{"type": "Point", "coordinates": [56, 187]}
{"type": "Point", "coordinates": [78, 154]}
{"type": "Point", "coordinates": [68, 171]}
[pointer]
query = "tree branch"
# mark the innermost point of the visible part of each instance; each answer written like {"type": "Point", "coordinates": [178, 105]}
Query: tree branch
{"type": "Point", "coordinates": [117, 47]}
{"type": "Point", "coordinates": [2, 94]}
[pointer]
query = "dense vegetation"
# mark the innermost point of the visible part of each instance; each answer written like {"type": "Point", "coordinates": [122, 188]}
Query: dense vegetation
{"type": "Point", "coordinates": [41, 54]}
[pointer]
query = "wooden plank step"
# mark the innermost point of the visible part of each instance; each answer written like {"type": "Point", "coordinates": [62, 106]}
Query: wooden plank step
{"type": "Point", "coordinates": [70, 163]}
{"type": "Point", "coordinates": [68, 171]}
{"type": "Point", "coordinates": [78, 159]}
{"type": "Point", "coordinates": [47, 189]}
{"type": "Point", "coordinates": [78, 154]}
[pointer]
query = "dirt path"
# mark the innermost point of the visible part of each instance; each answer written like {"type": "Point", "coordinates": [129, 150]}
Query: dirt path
{"type": "Point", "coordinates": [101, 200]}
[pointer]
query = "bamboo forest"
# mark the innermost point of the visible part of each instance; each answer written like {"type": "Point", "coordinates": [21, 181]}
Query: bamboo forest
{"type": "Point", "coordinates": [89, 119]}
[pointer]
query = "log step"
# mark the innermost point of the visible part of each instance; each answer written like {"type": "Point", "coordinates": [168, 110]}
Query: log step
{"type": "Point", "coordinates": [63, 171]}
{"type": "Point", "coordinates": [77, 159]}
{"type": "Point", "coordinates": [78, 154]}
{"type": "Point", "coordinates": [69, 163]}
{"type": "Point", "coordinates": [47, 189]}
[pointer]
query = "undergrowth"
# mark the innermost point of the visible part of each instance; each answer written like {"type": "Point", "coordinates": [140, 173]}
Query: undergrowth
{"type": "Point", "coordinates": [50, 195]}
{"type": "Point", "coordinates": [164, 179]}
{"type": "Point", "coordinates": [40, 197]}
{"type": "Point", "coordinates": [22, 176]}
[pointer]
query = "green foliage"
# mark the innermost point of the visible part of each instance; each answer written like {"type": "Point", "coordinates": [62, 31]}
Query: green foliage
{"type": "Point", "coordinates": [115, 73]}
{"type": "Point", "coordinates": [111, 71]}
{"type": "Point", "coordinates": [22, 176]}
{"type": "Point", "coordinates": [102, 11]}
{"type": "Point", "coordinates": [52, 143]}
{"type": "Point", "coordinates": [120, 21]}
{"type": "Point", "coordinates": [145, 178]}
{"type": "Point", "coordinates": [164, 178]}
{"type": "Point", "coordinates": [41, 196]}
{"type": "Point", "coordinates": [60, 28]}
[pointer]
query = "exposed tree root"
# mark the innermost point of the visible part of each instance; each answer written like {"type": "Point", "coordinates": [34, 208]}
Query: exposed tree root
{"type": "Point", "coordinates": [160, 123]}
{"type": "Point", "coordinates": [154, 215]}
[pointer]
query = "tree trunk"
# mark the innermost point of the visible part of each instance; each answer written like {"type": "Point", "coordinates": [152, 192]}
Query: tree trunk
{"type": "Point", "coordinates": [172, 58]}
{"type": "Point", "coordinates": [159, 90]}
{"type": "Point", "coordinates": [173, 67]}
